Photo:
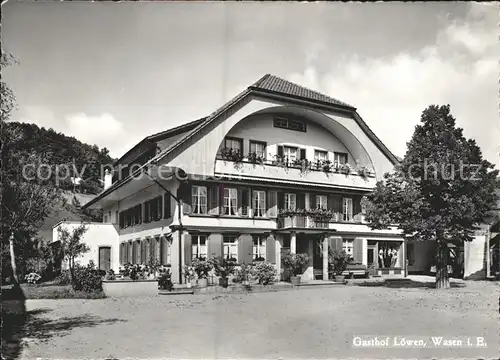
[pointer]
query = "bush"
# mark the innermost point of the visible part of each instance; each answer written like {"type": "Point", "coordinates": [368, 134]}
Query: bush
{"type": "Point", "coordinates": [110, 275]}
{"type": "Point", "coordinates": [63, 279]}
{"type": "Point", "coordinates": [245, 272]}
{"type": "Point", "coordinates": [87, 279]}
{"type": "Point", "coordinates": [294, 262]}
{"type": "Point", "coordinates": [33, 278]}
{"type": "Point", "coordinates": [338, 261]}
{"type": "Point", "coordinates": [165, 281]}
{"type": "Point", "coordinates": [265, 272]}
{"type": "Point", "coordinates": [201, 267]}
{"type": "Point", "coordinates": [222, 267]}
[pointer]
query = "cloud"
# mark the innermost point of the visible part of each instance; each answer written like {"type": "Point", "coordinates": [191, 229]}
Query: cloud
{"type": "Point", "coordinates": [460, 69]}
{"type": "Point", "coordinates": [103, 130]}
{"type": "Point", "coordinates": [94, 129]}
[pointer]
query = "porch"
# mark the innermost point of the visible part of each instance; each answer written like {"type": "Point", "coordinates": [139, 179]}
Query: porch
{"type": "Point", "coordinates": [380, 257]}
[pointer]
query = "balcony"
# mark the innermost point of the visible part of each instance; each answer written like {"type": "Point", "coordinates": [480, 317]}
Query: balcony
{"type": "Point", "coordinates": [294, 174]}
{"type": "Point", "coordinates": [312, 222]}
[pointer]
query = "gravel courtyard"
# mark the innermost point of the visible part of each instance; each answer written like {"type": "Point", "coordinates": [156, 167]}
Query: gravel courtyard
{"type": "Point", "coordinates": [306, 323]}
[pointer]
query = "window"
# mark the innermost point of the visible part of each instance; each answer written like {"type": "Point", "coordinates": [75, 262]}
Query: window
{"type": "Point", "coordinates": [153, 209]}
{"type": "Point", "coordinates": [230, 201]}
{"type": "Point", "coordinates": [339, 158]}
{"type": "Point", "coordinates": [259, 148]}
{"type": "Point", "coordinates": [259, 203]}
{"type": "Point", "coordinates": [259, 248]}
{"type": "Point", "coordinates": [290, 153]}
{"type": "Point", "coordinates": [199, 246]}
{"type": "Point", "coordinates": [232, 143]}
{"type": "Point", "coordinates": [199, 199]}
{"type": "Point", "coordinates": [130, 217]}
{"type": "Point", "coordinates": [388, 254]}
{"type": "Point", "coordinates": [291, 124]}
{"type": "Point", "coordinates": [347, 209]}
{"type": "Point", "coordinates": [280, 122]}
{"type": "Point", "coordinates": [290, 201]}
{"type": "Point", "coordinates": [296, 125]}
{"type": "Point", "coordinates": [347, 246]}
{"type": "Point", "coordinates": [230, 247]}
{"type": "Point", "coordinates": [320, 155]}
{"type": "Point", "coordinates": [321, 201]}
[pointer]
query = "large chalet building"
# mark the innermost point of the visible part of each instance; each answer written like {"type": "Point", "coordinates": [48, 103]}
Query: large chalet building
{"type": "Point", "coordinates": [246, 182]}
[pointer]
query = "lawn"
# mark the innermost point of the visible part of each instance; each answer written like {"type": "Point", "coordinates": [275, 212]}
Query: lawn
{"type": "Point", "coordinates": [50, 291]}
{"type": "Point", "coordinates": [306, 323]}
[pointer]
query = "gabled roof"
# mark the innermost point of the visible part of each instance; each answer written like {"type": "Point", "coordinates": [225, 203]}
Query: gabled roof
{"type": "Point", "coordinates": [268, 87]}
{"type": "Point", "coordinates": [164, 135]}
{"type": "Point", "coordinates": [274, 84]}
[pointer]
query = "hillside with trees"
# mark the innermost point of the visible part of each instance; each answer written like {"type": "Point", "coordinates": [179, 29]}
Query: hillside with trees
{"type": "Point", "coordinates": [38, 187]}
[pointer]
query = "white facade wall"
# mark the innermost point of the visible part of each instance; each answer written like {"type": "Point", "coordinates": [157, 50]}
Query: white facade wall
{"type": "Point", "coordinates": [97, 235]}
{"type": "Point", "coordinates": [260, 128]}
{"type": "Point", "coordinates": [474, 258]}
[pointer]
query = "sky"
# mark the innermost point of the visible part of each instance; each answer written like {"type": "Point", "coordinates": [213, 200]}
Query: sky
{"type": "Point", "coordinates": [112, 73]}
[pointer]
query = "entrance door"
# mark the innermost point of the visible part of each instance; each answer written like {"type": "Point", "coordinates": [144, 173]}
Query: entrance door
{"type": "Point", "coordinates": [105, 258]}
{"type": "Point", "coordinates": [318, 254]}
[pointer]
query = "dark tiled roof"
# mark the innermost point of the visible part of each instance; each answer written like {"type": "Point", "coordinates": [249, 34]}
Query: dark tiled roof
{"type": "Point", "coordinates": [274, 84]}
{"type": "Point", "coordinates": [268, 84]}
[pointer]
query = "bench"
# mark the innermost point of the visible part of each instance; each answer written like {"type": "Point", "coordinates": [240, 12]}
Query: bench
{"type": "Point", "coordinates": [351, 271]}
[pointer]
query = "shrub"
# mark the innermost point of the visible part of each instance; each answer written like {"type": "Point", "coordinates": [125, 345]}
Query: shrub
{"type": "Point", "coordinates": [294, 262]}
{"type": "Point", "coordinates": [110, 275]}
{"type": "Point", "coordinates": [223, 267]}
{"type": "Point", "coordinates": [87, 279]}
{"type": "Point", "coordinates": [165, 281]}
{"type": "Point", "coordinates": [201, 267]}
{"type": "Point", "coordinates": [338, 261]}
{"type": "Point", "coordinates": [133, 272]}
{"type": "Point", "coordinates": [33, 278]}
{"type": "Point", "coordinates": [64, 278]}
{"type": "Point", "coordinates": [265, 272]}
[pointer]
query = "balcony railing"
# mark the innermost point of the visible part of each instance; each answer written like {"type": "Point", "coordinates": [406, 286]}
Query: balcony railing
{"type": "Point", "coordinates": [310, 222]}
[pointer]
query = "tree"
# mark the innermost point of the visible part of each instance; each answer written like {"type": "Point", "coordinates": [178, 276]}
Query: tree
{"type": "Point", "coordinates": [72, 246]}
{"type": "Point", "coordinates": [440, 192]}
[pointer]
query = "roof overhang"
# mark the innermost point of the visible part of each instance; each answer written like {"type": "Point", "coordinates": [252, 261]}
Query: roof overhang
{"type": "Point", "coordinates": [138, 180]}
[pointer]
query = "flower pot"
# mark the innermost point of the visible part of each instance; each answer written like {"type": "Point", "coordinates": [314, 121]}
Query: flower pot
{"type": "Point", "coordinates": [339, 278]}
{"type": "Point", "coordinates": [203, 283]}
{"type": "Point", "coordinates": [224, 282]}
{"type": "Point", "coordinates": [189, 285]}
{"type": "Point", "coordinates": [295, 280]}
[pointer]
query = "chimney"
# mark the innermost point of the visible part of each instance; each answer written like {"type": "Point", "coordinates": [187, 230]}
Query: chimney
{"type": "Point", "coordinates": [108, 179]}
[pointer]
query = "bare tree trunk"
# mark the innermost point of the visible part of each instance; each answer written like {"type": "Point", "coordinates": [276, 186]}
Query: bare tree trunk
{"type": "Point", "coordinates": [442, 279]}
{"type": "Point", "coordinates": [13, 259]}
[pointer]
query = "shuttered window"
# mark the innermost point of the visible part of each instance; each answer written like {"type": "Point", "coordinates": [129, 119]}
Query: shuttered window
{"type": "Point", "coordinates": [348, 246]}
{"type": "Point", "coordinates": [259, 247]}
{"type": "Point", "coordinates": [347, 209]}
{"type": "Point", "coordinates": [259, 203]}
{"type": "Point", "coordinates": [167, 206]}
{"type": "Point", "coordinates": [199, 199]}
{"type": "Point", "coordinates": [272, 211]}
{"type": "Point", "coordinates": [199, 246]}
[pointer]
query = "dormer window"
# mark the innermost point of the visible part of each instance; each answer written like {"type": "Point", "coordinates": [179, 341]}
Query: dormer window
{"type": "Point", "coordinates": [290, 124]}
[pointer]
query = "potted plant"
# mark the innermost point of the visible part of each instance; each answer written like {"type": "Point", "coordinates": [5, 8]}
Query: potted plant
{"type": "Point", "coordinates": [294, 263]}
{"type": "Point", "coordinates": [165, 281]}
{"type": "Point", "coordinates": [201, 267]}
{"type": "Point", "coordinates": [337, 262]}
{"type": "Point", "coordinates": [255, 158]}
{"type": "Point", "coordinates": [223, 269]}
{"type": "Point", "coordinates": [189, 275]}
{"type": "Point", "coordinates": [345, 169]}
{"type": "Point", "coordinates": [326, 165]}
{"type": "Point", "coordinates": [363, 171]}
